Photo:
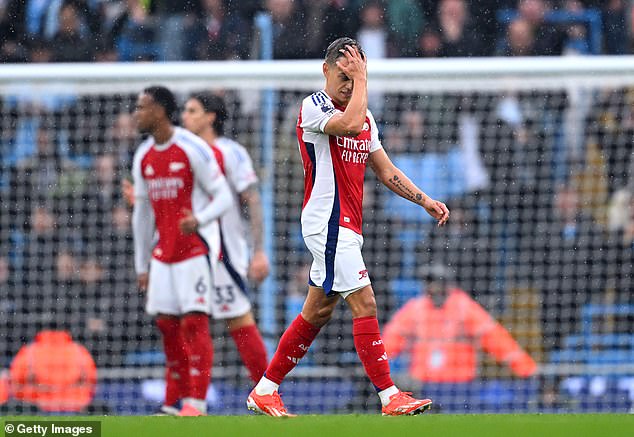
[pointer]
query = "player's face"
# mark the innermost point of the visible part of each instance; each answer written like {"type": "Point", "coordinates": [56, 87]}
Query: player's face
{"type": "Point", "coordinates": [194, 117]}
{"type": "Point", "coordinates": [146, 113]}
{"type": "Point", "coordinates": [338, 85]}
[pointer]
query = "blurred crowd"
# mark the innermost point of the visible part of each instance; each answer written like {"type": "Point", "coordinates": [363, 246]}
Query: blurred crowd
{"type": "Point", "coordinates": [165, 30]}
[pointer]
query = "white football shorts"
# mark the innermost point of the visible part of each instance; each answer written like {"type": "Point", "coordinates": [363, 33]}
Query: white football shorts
{"type": "Point", "coordinates": [338, 266]}
{"type": "Point", "coordinates": [229, 298]}
{"type": "Point", "coordinates": [179, 288]}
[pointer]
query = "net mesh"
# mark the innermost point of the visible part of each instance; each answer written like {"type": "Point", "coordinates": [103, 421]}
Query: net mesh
{"type": "Point", "coordinates": [538, 181]}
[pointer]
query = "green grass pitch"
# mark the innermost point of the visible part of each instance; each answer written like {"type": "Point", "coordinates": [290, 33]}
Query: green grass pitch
{"type": "Point", "coordinates": [437, 425]}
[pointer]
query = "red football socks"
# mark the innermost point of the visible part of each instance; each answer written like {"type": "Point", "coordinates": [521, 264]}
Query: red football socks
{"type": "Point", "coordinates": [367, 341]}
{"type": "Point", "coordinates": [252, 350]}
{"type": "Point", "coordinates": [176, 360]}
{"type": "Point", "coordinates": [195, 329]}
{"type": "Point", "coordinates": [293, 346]}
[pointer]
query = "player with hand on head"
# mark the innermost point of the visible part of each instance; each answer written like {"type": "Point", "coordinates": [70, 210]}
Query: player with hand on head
{"type": "Point", "coordinates": [179, 191]}
{"type": "Point", "coordinates": [337, 137]}
{"type": "Point", "coordinates": [204, 115]}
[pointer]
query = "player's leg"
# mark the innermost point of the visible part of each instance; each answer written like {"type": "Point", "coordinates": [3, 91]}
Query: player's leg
{"type": "Point", "coordinates": [299, 335]}
{"type": "Point", "coordinates": [199, 349]}
{"type": "Point", "coordinates": [371, 351]}
{"type": "Point", "coordinates": [351, 274]}
{"type": "Point", "coordinates": [230, 302]}
{"type": "Point", "coordinates": [246, 335]}
{"type": "Point", "coordinates": [194, 290]}
{"type": "Point", "coordinates": [162, 303]}
{"type": "Point", "coordinates": [293, 345]}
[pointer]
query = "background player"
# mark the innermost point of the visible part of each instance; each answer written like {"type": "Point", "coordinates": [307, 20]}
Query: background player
{"type": "Point", "coordinates": [337, 136]}
{"type": "Point", "coordinates": [204, 115]}
{"type": "Point", "coordinates": [175, 176]}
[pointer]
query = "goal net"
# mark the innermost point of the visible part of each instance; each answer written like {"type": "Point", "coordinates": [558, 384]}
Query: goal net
{"type": "Point", "coordinates": [532, 156]}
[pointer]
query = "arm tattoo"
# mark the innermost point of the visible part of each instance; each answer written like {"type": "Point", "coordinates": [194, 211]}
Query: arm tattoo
{"type": "Point", "coordinates": [403, 190]}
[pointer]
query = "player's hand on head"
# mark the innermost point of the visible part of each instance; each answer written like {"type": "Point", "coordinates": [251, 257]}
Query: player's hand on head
{"type": "Point", "coordinates": [353, 64]}
{"type": "Point", "coordinates": [188, 223]}
{"type": "Point", "coordinates": [142, 281]}
{"type": "Point", "coordinates": [258, 267]}
{"type": "Point", "coordinates": [437, 210]}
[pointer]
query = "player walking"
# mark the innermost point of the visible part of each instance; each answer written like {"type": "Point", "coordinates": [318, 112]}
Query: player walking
{"type": "Point", "coordinates": [175, 176]}
{"type": "Point", "coordinates": [337, 136]}
{"type": "Point", "coordinates": [204, 115]}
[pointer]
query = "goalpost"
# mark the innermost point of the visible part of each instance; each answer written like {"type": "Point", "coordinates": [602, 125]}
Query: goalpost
{"type": "Point", "coordinates": [533, 157]}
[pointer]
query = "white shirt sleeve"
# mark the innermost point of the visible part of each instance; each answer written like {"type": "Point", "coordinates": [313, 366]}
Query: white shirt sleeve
{"type": "Point", "coordinates": [208, 176]}
{"type": "Point", "coordinates": [239, 168]}
{"type": "Point", "coordinates": [317, 110]}
{"type": "Point", "coordinates": [375, 142]}
{"type": "Point", "coordinates": [143, 224]}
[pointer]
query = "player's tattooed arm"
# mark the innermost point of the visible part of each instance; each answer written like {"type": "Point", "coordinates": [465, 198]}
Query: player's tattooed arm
{"type": "Point", "coordinates": [405, 189]}
{"type": "Point", "coordinates": [395, 180]}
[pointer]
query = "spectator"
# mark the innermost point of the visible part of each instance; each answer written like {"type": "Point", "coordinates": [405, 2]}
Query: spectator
{"type": "Point", "coordinates": [134, 35]}
{"type": "Point", "coordinates": [572, 267]}
{"type": "Point", "coordinates": [373, 34]}
{"type": "Point", "coordinates": [429, 44]}
{"type": "Point", "coordinates": [520, 39]}
{"type": "Point", "coordinates": [610, 124]}
{"type": "Point", "coordinates": [615, 27]}
{"type": "Point", "coordinates": [12, 48]}
{"type": "Point", "coordinates": [123, 137]}
{"type": "Point", "coordinates": [334, 16]}
{"type": "Point", "coordinates": [289, 29]}
{"type": "Point", "coordinates": [404, 21]}
{"type": "Point", "coordinates": [456, 32]}
{"type": "Point", "coordinates": [549, 40]}
{"type": "Point", "coordinates": [444, 329]}
{"type": "Point", "coordinates": [54, 373]}
{"type": "Point", "coordinates": [218, 34]}
{"type": "Point", "coordinates": [69, 45]}
{"type": "Point", "coordinates": [174, 18]}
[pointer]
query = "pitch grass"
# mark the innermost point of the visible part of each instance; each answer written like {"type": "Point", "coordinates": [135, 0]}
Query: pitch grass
{"type": "Point", "coordinates": [436, 425]}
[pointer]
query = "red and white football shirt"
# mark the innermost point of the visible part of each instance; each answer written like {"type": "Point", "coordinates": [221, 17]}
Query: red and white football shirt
{"type": "Point", "coordinates": [334, 167]}
{"type": "Point", "coordinates": [176, 176]}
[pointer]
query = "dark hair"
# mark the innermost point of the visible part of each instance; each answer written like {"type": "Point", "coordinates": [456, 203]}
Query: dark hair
{"type": "Point", "coordinates": [333, 51]}
{"type": "Point", "coordinates": [213, 103]}
{"type": "Point", "coordinates": [165, 98]}
{"type": "Point", "coordinates": [436, 272]}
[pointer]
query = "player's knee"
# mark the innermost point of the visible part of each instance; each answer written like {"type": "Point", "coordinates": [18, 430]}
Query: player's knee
{"type": "Point", "coordinates": [364, 307]}
{"type": "Point", "coordinates": [318, 317]}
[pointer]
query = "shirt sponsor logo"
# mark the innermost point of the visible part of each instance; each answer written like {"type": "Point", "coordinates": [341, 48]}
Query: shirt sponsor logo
{"type": "Point", "coordinates": [176, 166]}
{"type": "Point", "coordinates": [165, 188]}
{"type": "Point", "coordinates": [354, 150]}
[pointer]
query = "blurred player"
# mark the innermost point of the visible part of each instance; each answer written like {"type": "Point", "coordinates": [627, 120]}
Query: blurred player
{"type": "Point", "coordinates": [175, 176]}
{"type": "Point", "coordinates": [204, 115]}
{"type": "Point", "coordinates": [337, 136]}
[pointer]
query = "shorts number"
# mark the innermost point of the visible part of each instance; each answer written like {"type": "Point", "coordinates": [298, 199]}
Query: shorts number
{"type": "Point", "coordinates": [224, 294]}
{"type": "Point", "coordinates": [201, 287]}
